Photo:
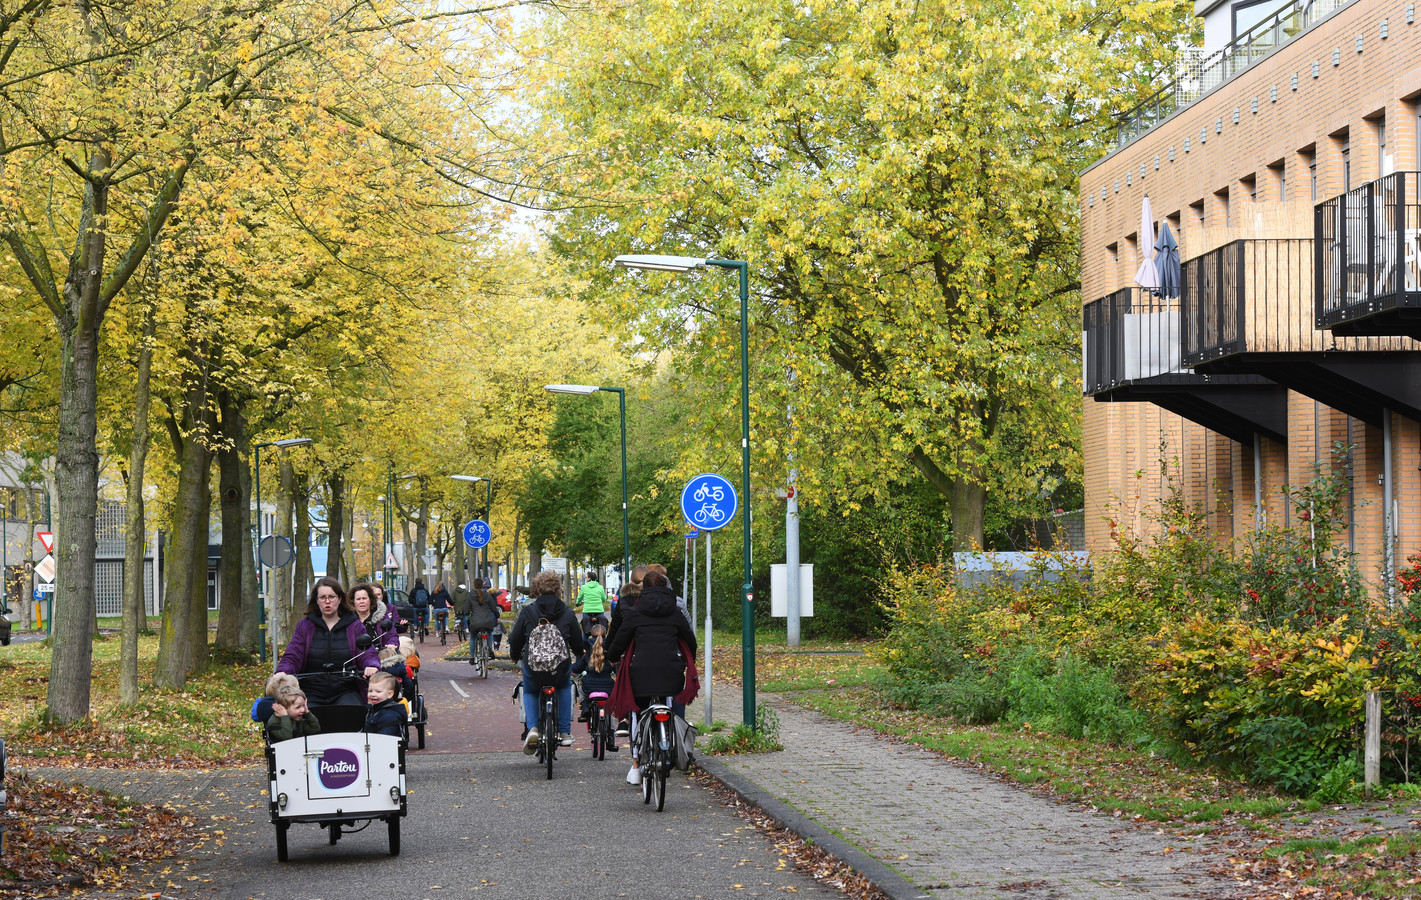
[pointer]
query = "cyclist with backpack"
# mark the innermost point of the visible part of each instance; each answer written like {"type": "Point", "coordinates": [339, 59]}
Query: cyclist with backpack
{"type": "Point", "coordinates": [419, 599]}
{"type": "Point", "coordinates": [545, 639]}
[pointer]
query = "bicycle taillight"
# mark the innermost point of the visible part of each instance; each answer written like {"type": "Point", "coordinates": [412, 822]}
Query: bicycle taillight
{"type": "Point", "coordinates": [662, 716]}
{"type": "Point", "coordinates": [601, 703]}
{"type": "Point", "coordinates": [547, 690]}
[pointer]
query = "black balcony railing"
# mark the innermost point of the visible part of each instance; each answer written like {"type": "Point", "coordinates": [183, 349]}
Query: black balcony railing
{"type": "Point", "coordinates": [1131, 336]}
{"type": "Point", "coordinates": [1251, 296]}
{"type": "Point", "coordinates": [1368, 246]}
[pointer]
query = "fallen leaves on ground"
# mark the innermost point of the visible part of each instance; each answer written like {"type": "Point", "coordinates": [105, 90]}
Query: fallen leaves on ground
{"type": "Point", "coordinates": [808, 859]}
{"type": "Point", "coordinates": [64, 839]}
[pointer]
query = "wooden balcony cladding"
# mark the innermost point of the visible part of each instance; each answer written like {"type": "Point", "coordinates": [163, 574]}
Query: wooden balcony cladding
{"type": "Point", "coordinates": [1256, 297]}
{"type": "Point", "coordinates": [1368, 247]}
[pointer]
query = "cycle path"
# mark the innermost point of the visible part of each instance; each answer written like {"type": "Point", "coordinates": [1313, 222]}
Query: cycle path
{"type": "Point", "coordinates": [483, 821]}
{"type": "Point", "coordinates": [921, 826]}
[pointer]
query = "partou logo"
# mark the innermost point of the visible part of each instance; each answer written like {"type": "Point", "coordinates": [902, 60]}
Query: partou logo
{"type": "Point", "coordinates": [338, 768]}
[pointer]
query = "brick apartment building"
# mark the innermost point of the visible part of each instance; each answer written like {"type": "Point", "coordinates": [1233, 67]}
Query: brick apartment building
{"type": "Point", "coordinates": [1284, 158]}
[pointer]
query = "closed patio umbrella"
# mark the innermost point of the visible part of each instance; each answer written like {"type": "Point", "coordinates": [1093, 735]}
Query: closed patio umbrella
{"type": "Point", "coordinates": [1167, 263]}
{"type": "Point", "coordinates": [1148, 274]}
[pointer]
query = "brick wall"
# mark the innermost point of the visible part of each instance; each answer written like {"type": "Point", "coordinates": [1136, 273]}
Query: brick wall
{"type": "Point", "coordinates": [1216, 180]}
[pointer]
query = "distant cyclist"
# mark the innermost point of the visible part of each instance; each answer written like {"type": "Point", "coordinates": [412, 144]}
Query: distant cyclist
{"type": "Point", "coordinates": [441, 603]}
{"type": "Point", "coordinates": [419, 599]}
{"type": "Point", "coordinates": [592, 601]}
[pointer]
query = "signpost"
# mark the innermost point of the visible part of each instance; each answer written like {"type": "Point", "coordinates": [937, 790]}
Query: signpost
{"type": "Point", "coordinates": [709, 503]}
{"type": "Point", "coordinates": [477, 534]}
{"type": "Point", "coordinates": [45, 571]}
{"type": "Point", "coordinates": [275, 551]}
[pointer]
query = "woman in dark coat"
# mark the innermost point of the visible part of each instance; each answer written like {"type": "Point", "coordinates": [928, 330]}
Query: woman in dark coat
{"type": "Point", "coordinates": [658, 627]}
{"type": "Point", "coordinates": [323, 642]}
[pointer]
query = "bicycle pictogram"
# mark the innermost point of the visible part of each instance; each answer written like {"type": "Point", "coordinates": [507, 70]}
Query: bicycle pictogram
{"type": "Point", "coordinates": [708, 501]}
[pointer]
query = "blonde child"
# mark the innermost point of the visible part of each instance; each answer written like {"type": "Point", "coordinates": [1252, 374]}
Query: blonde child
{"type": "Point", "coordinates": [290, 715]}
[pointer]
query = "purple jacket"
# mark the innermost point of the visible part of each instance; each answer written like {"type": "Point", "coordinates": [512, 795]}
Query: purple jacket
{"type": "Point", "coordinates": [381, 626]}
{"type": "Point", "coordinates": [293, 660]}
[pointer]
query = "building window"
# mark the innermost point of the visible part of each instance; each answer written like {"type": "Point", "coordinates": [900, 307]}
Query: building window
{"type": "Point", "coordinates": [1384, 166]}
{"type": "Point", "coordinates": [1221, 199]}
{"type": "Point", "coordinates": [1250, 187]}
{"type": "Point", "coordinates": [1308, 157]}
{"type": "Point", "coordinates": [1250, 13]}
{"type": "Point", "coordinates": [1277, 174]}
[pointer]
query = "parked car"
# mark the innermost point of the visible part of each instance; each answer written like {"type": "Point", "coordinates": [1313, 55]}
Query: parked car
{"type": "Point", "coordinates": [504, 601]}
{"type": "Point", "coordinates": [5, 625]}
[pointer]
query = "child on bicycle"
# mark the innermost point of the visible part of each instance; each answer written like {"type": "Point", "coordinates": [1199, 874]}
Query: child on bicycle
{"type": "Point", "coordinates": [596, 672]}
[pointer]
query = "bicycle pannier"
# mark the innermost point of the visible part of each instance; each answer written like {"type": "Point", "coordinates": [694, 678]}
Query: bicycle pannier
{"type": "Point", "coordinates": [685, 743]}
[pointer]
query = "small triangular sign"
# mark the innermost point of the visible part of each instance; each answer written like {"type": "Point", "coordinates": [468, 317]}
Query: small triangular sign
{"type": "Point", "coordinates": [390, 561]}
{"type": "Point", "coordinates": [46, 538]}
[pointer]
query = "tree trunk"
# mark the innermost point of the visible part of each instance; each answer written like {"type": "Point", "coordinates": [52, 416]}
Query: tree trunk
{"type": "Point", "coordinates": [302, 574]}
{"type": "Point", "coordinates": [968, 503]}
{"type": "Point", "coordinates": [175, 650]}
{"type": "Point", "coordinates": [249, 633]}
{"type": "Point", "coordinates": [229, 492]}
{"type": "Point", "coordinates": [281, 579]}
{"type": "Point", "coordinates": [77, 461]}
{"type": "Point", "coordinates": [135, 538]}
{"type": "Point", "coordinates": [350, 567]}
{"type": "Point", "coordinates": [409, 557]}
{"type": "Point", "coordinates": [335, 527]}
{"type": "Point", "coordinates": [197, 618]}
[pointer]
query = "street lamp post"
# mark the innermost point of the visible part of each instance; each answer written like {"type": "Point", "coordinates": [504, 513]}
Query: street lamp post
{"type": "Point", "coordinates": [747, 612]}
{"type": "Point", "coordinates": [261, 576]}
{"type": "Point", "coordinates": [488, 509]}
{"type": "Point", "coordinates": [586, 390]}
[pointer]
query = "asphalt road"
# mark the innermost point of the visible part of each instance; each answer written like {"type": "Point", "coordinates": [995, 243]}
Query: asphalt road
{"type": "Point", "coordinates": [484, 821]}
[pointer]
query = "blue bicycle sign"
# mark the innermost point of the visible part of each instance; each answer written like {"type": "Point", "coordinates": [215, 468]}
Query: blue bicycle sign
{"type": "Point", "coordinates": [477, 533]}
{"type": "Point", "coordinates": [708, 502]}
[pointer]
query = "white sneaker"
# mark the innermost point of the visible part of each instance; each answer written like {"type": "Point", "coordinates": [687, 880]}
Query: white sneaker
{"type": "Point", "coordinates": [622, 732]}
{"type": "Point", "coordinates": [564, 740]}
{"type": "Point", "coordinates": [634, 776]}
{"type": "Point", "coordinates": [530, 746]}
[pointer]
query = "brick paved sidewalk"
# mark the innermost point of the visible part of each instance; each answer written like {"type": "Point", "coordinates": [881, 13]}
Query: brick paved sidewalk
{"type": "Point", "coordinates": [953, 832]}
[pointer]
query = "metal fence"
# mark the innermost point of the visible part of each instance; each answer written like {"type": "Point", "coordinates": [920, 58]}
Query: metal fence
{"type": "Point", "coordinates": [1197, 74]}
{"type": "Point", "coordinates": [1249, 296]}
{"type": "Point", "coordinates": [1129, 336]}
{"type": "Point", "coordinates": [1368, 245]}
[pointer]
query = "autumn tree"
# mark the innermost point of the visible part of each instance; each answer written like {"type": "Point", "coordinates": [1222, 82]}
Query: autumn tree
{"type": "Point", "coordinates": [901, 178]}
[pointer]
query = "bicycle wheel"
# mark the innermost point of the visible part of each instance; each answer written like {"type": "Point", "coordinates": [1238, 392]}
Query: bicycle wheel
{"type": "Point", "coordinates": [594, 731]}
{"type": "Point", "coordinates": [485, 654]}
{"type": "Point", "coordinates": [550, 734]}
{"type": "Point", "coordinates": [658, 780]}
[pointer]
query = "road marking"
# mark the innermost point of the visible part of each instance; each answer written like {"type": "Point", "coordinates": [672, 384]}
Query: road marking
{"type": "Point", "coordinates": [455, 685]}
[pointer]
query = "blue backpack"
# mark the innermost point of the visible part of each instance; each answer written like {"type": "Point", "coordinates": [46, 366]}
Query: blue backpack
{"type": "Point", "coordinates": [420, 597]}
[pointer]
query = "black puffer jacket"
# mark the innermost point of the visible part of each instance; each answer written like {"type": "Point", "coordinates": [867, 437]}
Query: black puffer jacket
{"type": "Point", "coordinates": [658, 626]}
{"type": "Point", "coordinates": [550, 607]}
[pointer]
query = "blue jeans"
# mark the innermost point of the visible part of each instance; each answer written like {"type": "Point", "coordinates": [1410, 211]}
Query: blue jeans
{"type": "Point", "coordinates": [533, 701]}
{"type": "Point", "coordinates": [421, 616]}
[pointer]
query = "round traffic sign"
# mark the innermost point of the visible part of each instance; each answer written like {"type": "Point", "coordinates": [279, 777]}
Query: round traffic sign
{"type": "Point", "coordinates": [708, 502]}
{"type": "Point", "coordinates": [477, 533]}
{"type": "Point", "coordinates": [275, 551]}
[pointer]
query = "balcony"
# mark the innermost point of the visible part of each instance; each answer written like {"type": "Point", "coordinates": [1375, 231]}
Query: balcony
{"type": "Point", "coordinates": [1197, 75]}
{"type": "Point", "coordinates": [1247, 308]}
{"type": "Point", "coordinates": [1131, 351]}
{"type": "Point", "coordinates": [1368, 246]}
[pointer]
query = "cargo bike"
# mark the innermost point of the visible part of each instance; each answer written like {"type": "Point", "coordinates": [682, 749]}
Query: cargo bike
{"type": "Point", "coordinates": [337, 779]}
